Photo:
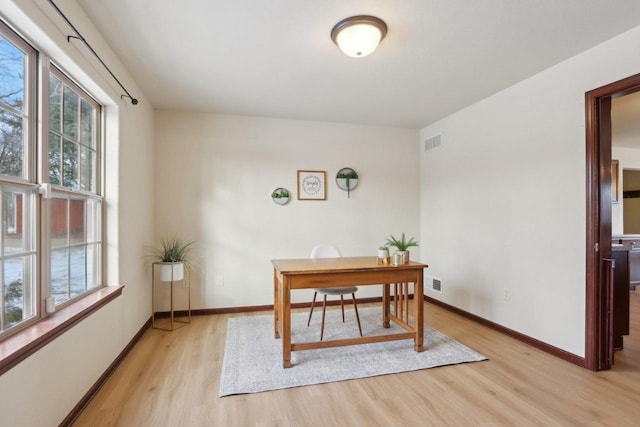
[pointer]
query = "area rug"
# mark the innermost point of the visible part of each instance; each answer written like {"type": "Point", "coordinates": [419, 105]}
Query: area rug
{"type": "Point", "coordinates": [253, 357]}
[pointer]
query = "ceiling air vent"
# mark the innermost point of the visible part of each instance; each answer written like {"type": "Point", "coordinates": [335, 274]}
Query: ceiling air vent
{"type": "Point", "coordinates": [433, 142]}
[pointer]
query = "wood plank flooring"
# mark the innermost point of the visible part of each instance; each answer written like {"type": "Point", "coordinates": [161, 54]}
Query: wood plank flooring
{"type": "Point", "coordinates": [172, 379]}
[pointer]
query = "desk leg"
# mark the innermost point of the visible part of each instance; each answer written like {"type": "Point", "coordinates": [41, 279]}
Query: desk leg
{"type": "Point", "coordinates": [276, 306]}
{"type": "Point", "coordinates": [418, 313]}
{"type": "Point", "coordinates": [286, 321]}
{"type": "Point", "coordinates": [386, 296]}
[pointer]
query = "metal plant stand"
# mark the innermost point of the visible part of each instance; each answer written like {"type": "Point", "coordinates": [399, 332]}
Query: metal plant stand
{"type": "Point", "coordinates": [186, 284]}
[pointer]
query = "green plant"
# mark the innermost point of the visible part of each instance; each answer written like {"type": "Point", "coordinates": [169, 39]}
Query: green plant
{"type": "Point", "coordinates": [173, 249]}
{"type": "Point", "coordinates": [348, 176]}
{"type": "Point", "coordinates": [280, 193]}
{"type": "Point", "coordinates": [384, 248]}
{"type": "Point", "coordinates": [13, 303]}
{"type": "Point", "coordinates": [403, 244]}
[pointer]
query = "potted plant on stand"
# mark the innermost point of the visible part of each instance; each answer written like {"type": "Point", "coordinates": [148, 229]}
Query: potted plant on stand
{"type": "Point", "coordinates": [402, 245]}
{"type": "Point", "coordinates": [383, 255]}
{"type": "Point", "coordinates": [172, 257]}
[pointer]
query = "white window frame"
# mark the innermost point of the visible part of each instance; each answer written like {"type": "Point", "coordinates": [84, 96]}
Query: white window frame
{"type": "Point", "coordinates": [36, 174]}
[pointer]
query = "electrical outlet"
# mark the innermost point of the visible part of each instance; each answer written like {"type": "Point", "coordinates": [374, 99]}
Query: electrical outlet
{"type": "Point", "coordinates": [506, 294]}
{"type": "Point", "coordinates": [219, 280]}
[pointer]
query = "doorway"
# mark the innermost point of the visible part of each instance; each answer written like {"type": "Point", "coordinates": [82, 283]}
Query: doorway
{"type": "Point", "coordinates": [599, 265]}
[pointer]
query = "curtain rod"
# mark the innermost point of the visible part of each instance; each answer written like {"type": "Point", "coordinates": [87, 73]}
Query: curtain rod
{"type": "Point", "coordinates": [79, 36]}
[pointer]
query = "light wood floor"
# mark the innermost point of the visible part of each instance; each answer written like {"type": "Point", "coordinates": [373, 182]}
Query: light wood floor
{"type": "Point", "coordinates": [172, 379]}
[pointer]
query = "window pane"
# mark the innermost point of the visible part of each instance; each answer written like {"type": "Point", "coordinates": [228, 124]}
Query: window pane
{"type": "Point", "coordinates": [55, 98]}
{"type": "Point", "coordinates": [59, 222]}
{"type": "Point", "coordinates": [60, 275]}
{"type": "Point", "coordinates": [71, 102]}
{"type": "Point", "coordinates": [77, 221]}
{"type": "Point", "coordinates": [77, 274]}
{"type": "Point", "coordinates": [13, 295]}
{"type": "Point", "coordinates": [55, 159]}
{"type": "Point", "coordinates": [11, 144]}
{"type": "Point", "coordinates": [87, 176]}
{"type": "Point", "coordinates": [17, 213]}
{"type": "Point", "coordinates": [12, 74]}
{"type": "Point", "coordinates": [74, 165]}
{"type": "Point", "coordinates": [76, 246]}
{"type": "Point", "coordinates": [18, 290]}
{"type": "Point", "coordinates": [70, 164]}
{"type": "Point", "coordinates": [86, 124]}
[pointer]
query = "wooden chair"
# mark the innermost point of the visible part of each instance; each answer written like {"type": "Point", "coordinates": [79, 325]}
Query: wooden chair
{"type": "Point", "coordinates": [328, 251]}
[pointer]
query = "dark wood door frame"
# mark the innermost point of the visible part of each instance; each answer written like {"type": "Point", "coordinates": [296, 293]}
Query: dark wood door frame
{"type": "Point", "coordinates": [598, 345]}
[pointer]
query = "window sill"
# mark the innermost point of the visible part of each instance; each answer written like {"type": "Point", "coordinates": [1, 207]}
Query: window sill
{"type": "Point", "coordinates": [23, 344]}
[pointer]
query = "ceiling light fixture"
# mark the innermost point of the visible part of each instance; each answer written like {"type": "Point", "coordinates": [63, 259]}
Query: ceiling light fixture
{"type": "Point", "coordinates": [360, 35]}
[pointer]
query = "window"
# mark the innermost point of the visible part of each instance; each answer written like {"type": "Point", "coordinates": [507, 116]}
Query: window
{"type": "Point", "coordinates": [19, 291]}
{"type": "Point", "coordinates": [51, 243]}
{"type": "Point", "coordinates": [75, 207]}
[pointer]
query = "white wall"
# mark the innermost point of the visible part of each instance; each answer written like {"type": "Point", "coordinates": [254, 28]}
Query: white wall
{"type": "Point", "coordinates": [215, 174]}
{"type": "Point", "coordinates": [503, 202]}
{"type": "Point", "coordinates": [45, 387]}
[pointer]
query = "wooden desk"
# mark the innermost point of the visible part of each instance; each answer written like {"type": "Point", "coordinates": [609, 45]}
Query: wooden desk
{"type": "Point", "coordinates": [290, 274]}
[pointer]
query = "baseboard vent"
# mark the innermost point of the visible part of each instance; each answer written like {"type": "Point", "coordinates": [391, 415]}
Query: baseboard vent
{"type": "Point", "coordinates": [433, 142]}
{"type": "Point", "coordinates": [436, 285]}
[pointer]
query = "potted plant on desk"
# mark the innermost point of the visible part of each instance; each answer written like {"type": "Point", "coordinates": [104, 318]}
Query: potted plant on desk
{"type": "Point", "coordinates": [383, 255]}
{"type": "Point", "coordinates": [402, 245]}
{"type": "Point", "coordinates": [172, 256]}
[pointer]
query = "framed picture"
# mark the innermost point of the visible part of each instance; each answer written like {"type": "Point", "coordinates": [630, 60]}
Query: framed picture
{"type": "Point", "coordinates": [312, 185]}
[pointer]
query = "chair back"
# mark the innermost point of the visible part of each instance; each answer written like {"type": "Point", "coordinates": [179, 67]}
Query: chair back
{"type": "Point", "coordinates": [324, 250]}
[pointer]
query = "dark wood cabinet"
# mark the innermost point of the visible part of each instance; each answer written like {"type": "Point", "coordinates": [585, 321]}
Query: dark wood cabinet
{"type": "Point", "coordinates": [634, 268]}
{"type": "Point", "coordinates": [620, 296]}
{"type": "Point", "coordinates": [631, 242]}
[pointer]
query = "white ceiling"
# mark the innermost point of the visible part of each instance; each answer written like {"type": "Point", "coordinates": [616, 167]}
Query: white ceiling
{"type": "Point", "coordinates": [275, 57]}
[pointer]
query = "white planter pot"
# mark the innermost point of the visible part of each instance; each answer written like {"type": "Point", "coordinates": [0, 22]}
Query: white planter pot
{"type": "Point", "coordinates": [171, 271]}
{"type": "Point", "coordinates": [281, 200]}
{"type": "Point", "coordinates": [347, 185]}
{"type": "Point", "coordinates": [383, 256]}
{"type": "Point", "coordinates": [342, 183]}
